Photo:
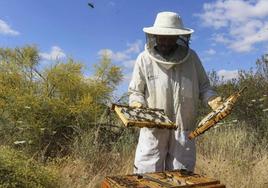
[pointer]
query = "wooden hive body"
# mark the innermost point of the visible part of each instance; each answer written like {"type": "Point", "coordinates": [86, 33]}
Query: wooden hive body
{"type": "Point", "coordinates": [167, 179]}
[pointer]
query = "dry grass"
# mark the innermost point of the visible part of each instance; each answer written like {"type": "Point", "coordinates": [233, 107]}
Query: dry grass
{"type": "Point", "coordinates": [251, 174]}
{"type": "Point", "coordinates": [232, 155]}
{"type": "Point", "coordinates": [90, 173]}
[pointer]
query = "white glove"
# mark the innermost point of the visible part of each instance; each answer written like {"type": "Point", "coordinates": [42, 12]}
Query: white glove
{"type": "Point", "coordinates": [214, 103]}
{"type": "Point", "coordinates": [136, 105]}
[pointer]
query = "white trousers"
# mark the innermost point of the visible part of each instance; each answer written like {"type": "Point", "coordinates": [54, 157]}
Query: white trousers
{"type": "Point", "coordinates": [163, 149]}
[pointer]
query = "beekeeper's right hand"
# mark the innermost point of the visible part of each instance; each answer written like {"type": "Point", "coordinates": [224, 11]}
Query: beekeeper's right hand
{"type": "Point", "coordinates": [215, 102]}
{"type": "Point", "coordinates": [136, 105]}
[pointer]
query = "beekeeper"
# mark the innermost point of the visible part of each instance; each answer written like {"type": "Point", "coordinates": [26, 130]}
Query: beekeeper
{"type": "Point", "coordinates": [169, 75]}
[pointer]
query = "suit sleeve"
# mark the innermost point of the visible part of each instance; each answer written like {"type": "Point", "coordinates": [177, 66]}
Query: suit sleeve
{"type": "Point", "coordinates": [137, 84]}
{"type": "Point", "coordinates": [205, 90]}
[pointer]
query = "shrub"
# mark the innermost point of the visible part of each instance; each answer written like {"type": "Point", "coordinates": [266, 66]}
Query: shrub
{"type": "Point", "coordinates": [17, 170]}
{"type": "Point", "coordinates": [45, 109]}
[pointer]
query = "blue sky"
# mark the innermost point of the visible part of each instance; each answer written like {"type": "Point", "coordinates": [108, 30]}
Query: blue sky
{"type": "Point", "coordinates": [229, 34]}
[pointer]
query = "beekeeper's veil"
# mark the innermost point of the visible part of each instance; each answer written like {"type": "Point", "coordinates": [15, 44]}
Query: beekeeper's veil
{"type": "Point", "coordinates": [168, 23]}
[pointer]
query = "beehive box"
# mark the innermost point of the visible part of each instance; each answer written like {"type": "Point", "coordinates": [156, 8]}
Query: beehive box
{"type": "Point", "coordinates": [167, 179]}
{"type": "Point", "coordinates": [143, 117]}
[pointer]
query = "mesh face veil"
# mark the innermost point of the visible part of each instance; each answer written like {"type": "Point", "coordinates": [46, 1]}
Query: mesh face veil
{"type": "Point", "coordinates": [176, 57]}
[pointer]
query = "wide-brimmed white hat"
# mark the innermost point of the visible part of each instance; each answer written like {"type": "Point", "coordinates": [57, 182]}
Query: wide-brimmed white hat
{"type": "Point", "coordinates": [168, 23]}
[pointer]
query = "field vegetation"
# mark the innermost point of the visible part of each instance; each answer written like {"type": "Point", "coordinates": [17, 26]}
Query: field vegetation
{"type": "Point", "coordinates": [57, 130]}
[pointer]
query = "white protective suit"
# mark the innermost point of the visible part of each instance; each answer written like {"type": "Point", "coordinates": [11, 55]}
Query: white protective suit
{"type": "Point", "coordinates": [176, 88]}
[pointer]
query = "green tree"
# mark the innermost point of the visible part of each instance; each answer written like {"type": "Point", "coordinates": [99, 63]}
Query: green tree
{"type": "Point", "coordinates": [44, 109]}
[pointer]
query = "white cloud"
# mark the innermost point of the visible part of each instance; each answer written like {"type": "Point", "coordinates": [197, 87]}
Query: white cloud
{"type": "Point", "coordinates": [115, 56]}
{"type": "Point", "coordinates": [210, 51]}
{"type": "Point", "coordinates": [56, 53]}
{"type": "Point", "coordinates": [129, 63]}
{"type": "Point", "coordinates": [111, 3]}
{"type": "Point", "coordinates": [5, 29]}
{"type": "Point", "coordinates": [241, 24]}
{"type": "Point", "coordinates": [125, 56]}
{"type": "Point", "coordinates": [221, 38]}
{"type": "Point", "coordinates": [134, 47]}
{"type": "Point", "coordinates": [227, 74]}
